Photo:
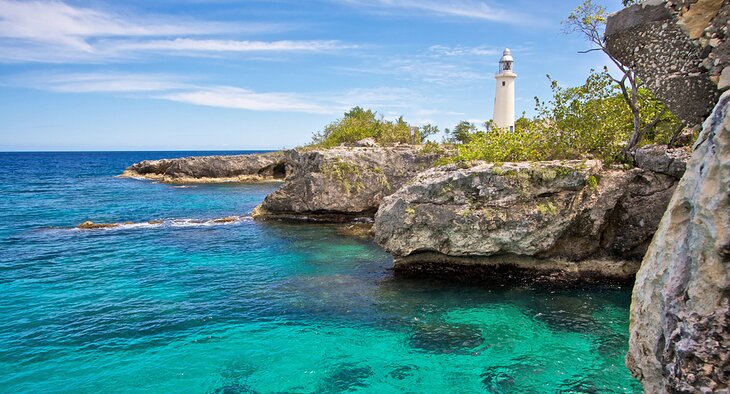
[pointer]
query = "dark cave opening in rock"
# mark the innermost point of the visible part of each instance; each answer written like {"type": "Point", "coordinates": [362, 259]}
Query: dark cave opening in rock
{"type": "Point", "coordinates": [279, 171]}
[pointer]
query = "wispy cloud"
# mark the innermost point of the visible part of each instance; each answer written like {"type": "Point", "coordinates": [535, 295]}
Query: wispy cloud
{"type": "Point", "coordinates": [453, 51]}
{"type": "Point", "coordinates": [109, 82]}
{"type": "Point", "coordinates": [52, 31]}
{"type": "Point", "coordinates": [439, 65]}
{"type": "Point", "coordinates": [57, 22]}
{"type": "Point", "coordinates": [390, 100]}
{"type": "Point", "coordinates": [237, 98]}
{"type": "Point", "coordinates": [192, 45]}
{"type": "Point", "coordinates": [478, 10]}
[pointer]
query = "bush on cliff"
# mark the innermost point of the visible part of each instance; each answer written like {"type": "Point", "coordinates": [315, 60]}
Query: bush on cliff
{"type": "Point", "coordinates": [358, 124]}
{"type": "Point", "coordinates": [588, 121]}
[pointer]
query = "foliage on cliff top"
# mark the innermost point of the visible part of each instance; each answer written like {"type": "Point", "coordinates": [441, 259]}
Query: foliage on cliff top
{"type": "Point", "coordinates": [588, 121]}
{"type": "Point", "coordinates": [589, 20]}
{"type": "Point", "coordinates": [358, 124]}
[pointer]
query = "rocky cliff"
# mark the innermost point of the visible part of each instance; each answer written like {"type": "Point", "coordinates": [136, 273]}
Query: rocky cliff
{"type": "Point", "coordinates": [343, 183]}
{"type": "Point", "coordinates": [239, 168]}
{"type": "Point", "coordinates": [680, 312]}
{"type": "Point", "coordinates": [679, 48]}
{"type": "Point", "coordinates": [569, 219]}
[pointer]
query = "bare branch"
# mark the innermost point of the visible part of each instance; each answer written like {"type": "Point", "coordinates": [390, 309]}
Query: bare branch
{"type": "Point", "coordinates": [676, 134]}
{"type": "Point", "coordinates": [656, 120]}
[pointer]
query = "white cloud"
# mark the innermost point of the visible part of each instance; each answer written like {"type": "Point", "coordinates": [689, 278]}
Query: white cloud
{"type": "Point", "coordinates": [421, 68]}
{"type": "Point", "coordinates": [237, 98]}
{"type": "Point", "coordinates": [439, 64]}
{"type": "Point", "coordinates": [391, 101]}
{"type": "Point", "coordinates": [57, 22]}
{"type": "Point", "coordinates": [100, 82]}
{"type": "Point", "coordinates": [470, 9]}
{"type": "Point", "coordinates": [191, 45]}
{"type": "Point", "coordinates": [51, 31]}
{"type": "Point", "coordinates": [446, 51]}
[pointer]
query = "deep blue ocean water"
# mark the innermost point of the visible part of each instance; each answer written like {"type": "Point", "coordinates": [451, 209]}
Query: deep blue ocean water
{"type": "Point", "coordinates": [190, 305]}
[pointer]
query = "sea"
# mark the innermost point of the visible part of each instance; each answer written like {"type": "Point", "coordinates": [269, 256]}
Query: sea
{"type": "Point", "coordinates": [175, 301]}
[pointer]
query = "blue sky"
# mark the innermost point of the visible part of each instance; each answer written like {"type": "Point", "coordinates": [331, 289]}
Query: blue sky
{"type": "Point", "coordinates": [225, 74]}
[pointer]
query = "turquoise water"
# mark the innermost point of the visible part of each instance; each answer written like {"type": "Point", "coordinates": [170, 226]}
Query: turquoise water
{"type": "Point", "coordinates": [189, 305]}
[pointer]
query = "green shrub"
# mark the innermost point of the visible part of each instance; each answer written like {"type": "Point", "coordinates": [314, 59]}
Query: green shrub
{"type": "Point", "coordinates": [431, 147]}
{"type": "Point", "coordinates": [588, 121]}
{"type": "Point", "coordinates": [358, 124]}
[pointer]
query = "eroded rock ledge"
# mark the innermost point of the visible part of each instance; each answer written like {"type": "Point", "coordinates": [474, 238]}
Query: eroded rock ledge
{"type": "Point", "coordinates": [213, 169]}
{"type": "Point", "coordinates": [511, 269]}
{"type": "Point", "coordinates": [549, 218]}
{"type": "Point", "coordinates": [342, 184]}
{"type": "Point", "coordinates": [679, 48]}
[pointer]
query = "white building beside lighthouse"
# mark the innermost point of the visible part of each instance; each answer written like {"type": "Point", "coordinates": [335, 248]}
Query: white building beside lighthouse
{"type": "Point", "coordinates": [504, 98]}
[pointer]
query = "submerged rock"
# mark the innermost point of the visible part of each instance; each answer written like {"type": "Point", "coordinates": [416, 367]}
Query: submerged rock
{"type": "Point", "coordinates": [543, 218]}
{"type": "Point", "coordinates": [343, 183]}
{"type": "Point", "coordinates": [228, 219]}
{"type": "Point", "coordinates": [356, 230]}
{"type": "Point", "coordinates": [211, 169]}
{"type": "Point", "coordinates": [680, 313]}
{"type": "Point", "coordinates": [445, 338]}
{"type": "Point", "coordinates": [89, 225]}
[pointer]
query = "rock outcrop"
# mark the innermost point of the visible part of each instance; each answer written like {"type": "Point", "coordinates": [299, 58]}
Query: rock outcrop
{"type": "Point", "coordinates": [342, 183]}
{"type": "Point", "coordinates": [679, 48]}
{"type": "Point", "coordinates": [661, 159]}
{"type": "Point", "coordinates": [543, 218]}
{"type": "Point", "coordinates": [206, 169]}
{"type": "Point", "coordinates": [680, 312]}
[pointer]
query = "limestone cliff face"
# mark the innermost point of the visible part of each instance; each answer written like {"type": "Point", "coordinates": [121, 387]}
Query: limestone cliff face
{"type": "Point", "coordinates": [240, 168]}
{"type": "Point", "coordinates": [678, 48]}
{"type": "Point", "coordinates": [680, 313]}
{"type": "Point", "coordinates": [526, 215]}
{"type": "Point", "coordinates": [343, 183]}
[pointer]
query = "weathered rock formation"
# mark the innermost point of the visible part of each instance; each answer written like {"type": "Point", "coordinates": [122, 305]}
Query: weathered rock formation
{"type": "Point", "coordinates": [543, 218]}
{"type": "Point", "coordinates": [202, 169]}
{"type": "Point", "coordinates": [661, 159]}
{"type": "Point", "coordinates": [679, 48]}
{"type": "Point", "coordinates": [680, 313]}
{"type": "Point", "coordinates": [343, 183]}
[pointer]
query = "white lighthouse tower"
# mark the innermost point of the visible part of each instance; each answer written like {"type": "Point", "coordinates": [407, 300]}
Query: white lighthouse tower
{"type": "Point", "coordinates": [504, 99]}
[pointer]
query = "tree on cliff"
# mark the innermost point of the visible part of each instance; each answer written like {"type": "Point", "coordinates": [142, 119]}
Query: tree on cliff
{"type": "Point", "coordinates": [358, 124]}
{"type": "Point", "coordinates": [589, 20]}
{"type": "Point", "coordinates": [463, 132]}
{"type": "Point", "coordinates": [426, 131]}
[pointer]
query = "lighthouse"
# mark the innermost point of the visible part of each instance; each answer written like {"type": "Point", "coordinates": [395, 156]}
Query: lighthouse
{"type": "Point", "coordinates": [504, 98]}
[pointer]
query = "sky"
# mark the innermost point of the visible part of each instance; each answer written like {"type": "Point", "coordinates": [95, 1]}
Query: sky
{"type": "Point", "coordinates": [255, 74]}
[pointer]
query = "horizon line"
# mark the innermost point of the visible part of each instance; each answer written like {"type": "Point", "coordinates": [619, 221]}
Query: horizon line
{"type": "Point", "coordinates": [143, 150]}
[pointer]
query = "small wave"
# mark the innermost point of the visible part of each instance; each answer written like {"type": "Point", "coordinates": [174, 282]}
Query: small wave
{"type": "Point", "coordinates": [91, 226]}
{"type": "Point", "coordinates": [206, 223]}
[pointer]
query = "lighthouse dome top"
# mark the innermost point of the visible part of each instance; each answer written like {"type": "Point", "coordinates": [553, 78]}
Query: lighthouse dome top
{"type": "Point", "coordinates": [506, 56]}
